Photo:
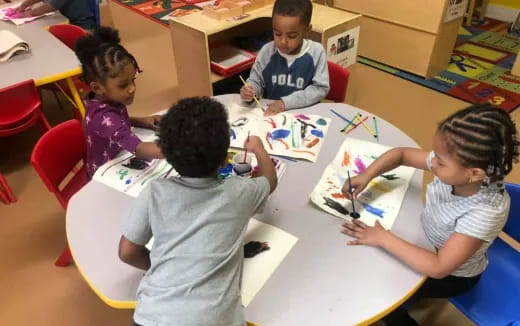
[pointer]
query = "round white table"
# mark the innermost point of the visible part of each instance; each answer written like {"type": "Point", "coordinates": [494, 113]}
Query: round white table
{"type": "Point", "coordinates": [322, 281]}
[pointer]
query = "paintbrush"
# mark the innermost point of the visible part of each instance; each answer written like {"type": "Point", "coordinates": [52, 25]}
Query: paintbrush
{"type": "Point", "coordinates": [354, 214]}
{"type": "Point", "coordinates": [254, 97]}
{"type": "Point", "coordinates": [245, 154]}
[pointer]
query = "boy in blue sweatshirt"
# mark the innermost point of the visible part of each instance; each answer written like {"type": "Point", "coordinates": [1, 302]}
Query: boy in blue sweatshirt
{"type": "Point", "coordinates": [290, 70]}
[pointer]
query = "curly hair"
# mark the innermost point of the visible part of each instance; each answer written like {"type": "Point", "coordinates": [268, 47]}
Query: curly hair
{"type": "Point", "coordinates": [482, 136]}
{"type": "Point", "coordinates": [194, 136]}
{"type": "Point", "coordinates": [294, 8]}
{"type": "Point", "coordinates": [102, 56]}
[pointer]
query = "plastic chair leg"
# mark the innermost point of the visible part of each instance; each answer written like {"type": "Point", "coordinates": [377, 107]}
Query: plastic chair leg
{"type": "Point", "coordinates": [3, 197]}
{"type": "Point", "coordinates": [64, 259]}
{"type": "Point", "coordinates": [44, 124]}
{"type": "Point", "coordinates": [5, 190]}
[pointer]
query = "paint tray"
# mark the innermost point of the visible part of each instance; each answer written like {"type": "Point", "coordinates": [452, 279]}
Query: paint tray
{"type": "Point", "coordinates": [227, 60]}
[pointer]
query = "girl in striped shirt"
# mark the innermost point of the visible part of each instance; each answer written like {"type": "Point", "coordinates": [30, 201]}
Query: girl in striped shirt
{"type": "Point", "coordinates": [466, 204]}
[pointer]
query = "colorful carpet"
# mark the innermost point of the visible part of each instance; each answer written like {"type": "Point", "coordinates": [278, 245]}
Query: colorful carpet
{"type": "Point", "coordinates": [480, 67]}
{"type": "Point", "coordinates": [162, 11]}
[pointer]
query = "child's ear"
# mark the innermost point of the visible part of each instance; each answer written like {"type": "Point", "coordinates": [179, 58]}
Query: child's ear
{"type": "Point", "coordinates": [477, 174]}
{"type": "Point", "coordinates": [97, 88]}
{"type": "Point", "coordinates": [309, 28]}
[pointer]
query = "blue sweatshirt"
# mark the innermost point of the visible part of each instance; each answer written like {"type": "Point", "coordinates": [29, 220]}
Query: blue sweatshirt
{"type": "Point", "coordinates": [298, 80]}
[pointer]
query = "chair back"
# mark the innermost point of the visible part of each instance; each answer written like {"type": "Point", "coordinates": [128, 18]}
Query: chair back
{"type": "Point", "coordinates": [338, 80]}
{"type": "Point", "coordinates": [68, 34]}
{"type": "Point", "coordinates": [56, 155]}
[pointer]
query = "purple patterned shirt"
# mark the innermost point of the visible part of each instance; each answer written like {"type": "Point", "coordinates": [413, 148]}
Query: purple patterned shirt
{"type": "Point", "coordinates": [107, 131]}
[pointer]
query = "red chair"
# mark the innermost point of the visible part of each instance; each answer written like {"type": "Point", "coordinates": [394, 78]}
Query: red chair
{"type": "Point", "coordinates": [56, 157]}
{"type": "Point", "coordinates": [68, 35]}
{"type": "Point", "coordinates": [338, 77]}
{"type": "Point", "coordinates": [20, 109]}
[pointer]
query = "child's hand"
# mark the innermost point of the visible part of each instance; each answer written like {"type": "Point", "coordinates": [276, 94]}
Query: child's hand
{"type": "Point", "coordinates": [359, 183]}
{"type": "Point", "coordinates": [254, 145]}
{"type": "Point", "coordinates": [364, 234]}
{"type": "Point", "coordinates": [246, 93]}
{"type": "Point", "coordinates": [151, 122]}
{"type": "Point", "coordinates": [275, 107]}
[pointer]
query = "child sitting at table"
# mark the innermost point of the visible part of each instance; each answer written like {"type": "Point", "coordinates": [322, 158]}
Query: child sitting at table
{"type": "Point", "coordinates": [194, 270]}
{"type": "Point", "coordinates": [77, 11]}
{"type": "Point", "coordinates": [110, 72]}
{"type": "Point", "coordinates": [290, 70]}
{"type": "Point", "coordinates": [466, 204]}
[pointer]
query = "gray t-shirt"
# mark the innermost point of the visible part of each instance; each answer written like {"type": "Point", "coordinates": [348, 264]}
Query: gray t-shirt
{"type": "Point", "coordinates": [481, 216]}
{"type": "Point", "coordinates": [198, 226]}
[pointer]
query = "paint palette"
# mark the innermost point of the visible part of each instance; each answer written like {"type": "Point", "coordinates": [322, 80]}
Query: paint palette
{"type": "Point", "coordinates": [229, 170]}
{"type": "Point", "coordinates": [296, 135]}
{"type": "Point", "coordinates": [382, 198]}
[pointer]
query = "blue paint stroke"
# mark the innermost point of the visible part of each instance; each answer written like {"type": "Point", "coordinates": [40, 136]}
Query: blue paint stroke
{"type": "Point", "coordinates": [302, 117]}
{"type": "Point", "coordinates": [233, 134]}
{"type": "Point", "coordinates": [318, 133]}
{"type": "Point", "coordinates": [225, 171]}
{"type": "Point", "coordinates": [280, 134]}
{"type": "Point", "coordinates": [321, 122]}
{"type": "Point", "coordinates": [373, 210]}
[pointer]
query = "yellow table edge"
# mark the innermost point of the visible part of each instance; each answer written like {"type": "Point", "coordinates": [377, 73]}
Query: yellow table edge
{"type": "Point", "coordinates": [388, 310]}
{"type": "Point", "coordinates": [112, 303]}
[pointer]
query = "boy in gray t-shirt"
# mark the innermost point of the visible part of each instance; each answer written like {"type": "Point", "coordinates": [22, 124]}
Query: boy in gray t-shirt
{"type": "Point", "coordinates": [198, 221]}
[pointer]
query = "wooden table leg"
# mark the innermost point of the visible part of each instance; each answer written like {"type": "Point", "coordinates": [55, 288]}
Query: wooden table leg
{"type": "Point", "coordinates": [469, 14]}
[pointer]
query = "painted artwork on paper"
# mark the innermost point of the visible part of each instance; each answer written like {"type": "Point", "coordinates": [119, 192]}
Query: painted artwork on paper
{"type": "Point", "coordinates": [382, 198]}
{"type": "Point", "coordinates": [130, 175]}
{"type": "Point", "coordinates": [10, 13]}
{"type": "Point", "coordinates": [296, 135]}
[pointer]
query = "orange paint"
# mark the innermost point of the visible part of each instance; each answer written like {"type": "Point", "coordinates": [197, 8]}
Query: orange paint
{"type": "Point", "coordinates": [313, 142]}
{"type": "Point", "coordinates": [283, 142]}
{"type": "Point", "coordinates": [346, 159]}
{"type": "Point", "coordinates": [338, 195]}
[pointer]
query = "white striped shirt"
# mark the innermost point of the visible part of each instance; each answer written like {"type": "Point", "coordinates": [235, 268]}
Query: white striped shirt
{"type": "Point", "coordinates": [480, 216]}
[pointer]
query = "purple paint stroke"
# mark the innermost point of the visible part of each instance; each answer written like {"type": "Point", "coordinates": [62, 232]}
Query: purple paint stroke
{"type": "Point", "coordinates": [361, 167]}
{"type": "Point", "coordinates": [302, 116]}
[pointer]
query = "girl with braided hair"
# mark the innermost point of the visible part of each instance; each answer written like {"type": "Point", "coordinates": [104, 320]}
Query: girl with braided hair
{"type": "Point", "coordinates": [466, 204]}
{"type": "Point", "coordinates": [110, 72]}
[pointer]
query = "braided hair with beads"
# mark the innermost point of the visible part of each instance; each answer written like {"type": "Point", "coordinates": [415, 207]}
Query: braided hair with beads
{"type": "Point", "coordinates": [102, 56]}
{"type": "Point", "coordinates": [483, 136]}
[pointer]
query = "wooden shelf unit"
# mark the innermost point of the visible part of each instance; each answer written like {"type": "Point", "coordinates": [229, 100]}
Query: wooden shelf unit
{"type": "Point", "coordinates": [192, 34]}
{"type": "Point", "coordinates": [407, 34]}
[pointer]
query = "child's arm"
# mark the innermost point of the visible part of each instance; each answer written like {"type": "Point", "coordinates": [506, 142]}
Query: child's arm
{"type": "Point", "coordinates": [148, 150]}
{"type": "Point", "coordinates": [265, 165]}
{"type": "Point", "coordinates": [317, 90]}
{"type": "Point", "coordinates": [41, 9]}
{"type": "Point", "coordinates": [457, 250]}
{"type": "Point", "coordinates": [136, 231]}
{"type": "Point", "coordinates": [256, 83]}
{"type": "Point", "coordinates": [150, 122]}
{"type": "Point", "coordinates": [390, 160]}
{"type": "Point", "coordinates": [26, 4]}
{"type": "Point", "coordinates": [133, 254]}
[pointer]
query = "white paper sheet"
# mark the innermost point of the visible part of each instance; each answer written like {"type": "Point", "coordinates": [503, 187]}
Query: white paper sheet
{"type": "Point", "coordinates": [383, 197]}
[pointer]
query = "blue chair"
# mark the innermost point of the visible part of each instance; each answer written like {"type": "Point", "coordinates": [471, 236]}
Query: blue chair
{"type": "Point", "coordinates": [495, 300]}
{"type": "Point", "coordinates": [94, 7]}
